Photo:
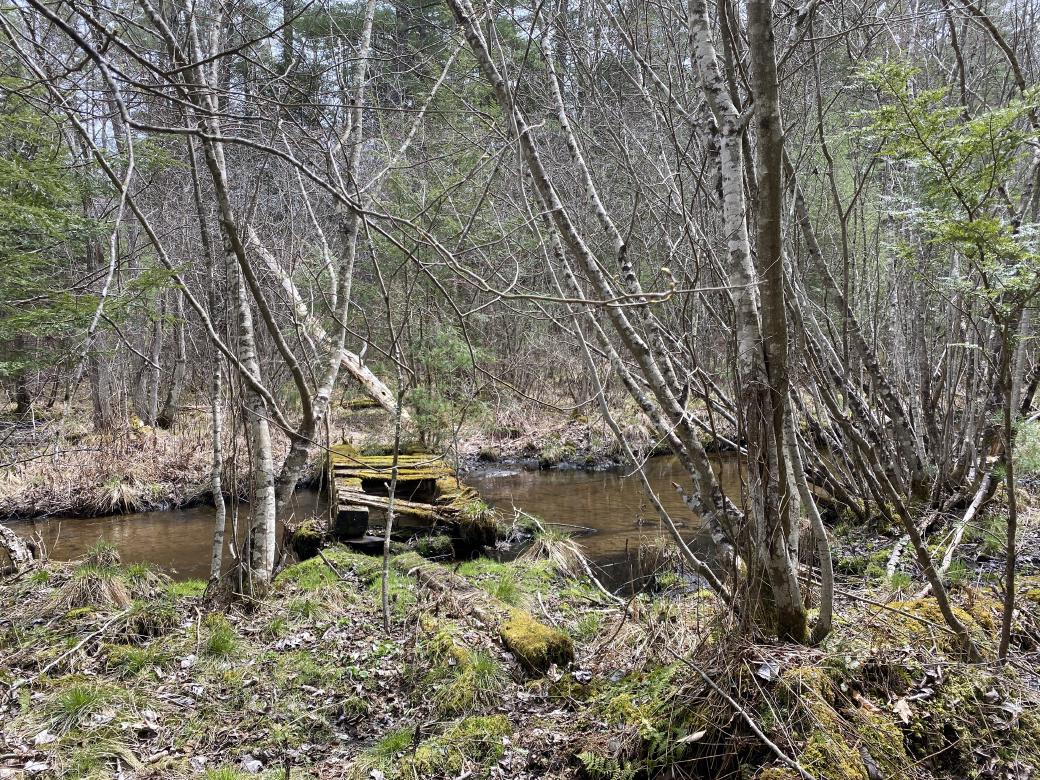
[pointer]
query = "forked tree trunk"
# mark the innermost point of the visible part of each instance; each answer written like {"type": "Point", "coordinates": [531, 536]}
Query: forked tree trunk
{"type": "Point", "coordinates": [258, 432]}
{"type": "Point", "coordinates": [302, 442]}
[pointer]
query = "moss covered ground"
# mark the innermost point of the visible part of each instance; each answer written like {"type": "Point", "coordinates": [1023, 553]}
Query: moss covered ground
{"type": "Point", "coordinates": [116, 671]}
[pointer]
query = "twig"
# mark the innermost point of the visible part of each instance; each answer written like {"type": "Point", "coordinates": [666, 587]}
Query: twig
{"type": "Point", "coordinates": [82, 642]}
{"type": "Point", "coordinates": [890, 608]}
{"type": "Point", "coordinates": [332, 568]}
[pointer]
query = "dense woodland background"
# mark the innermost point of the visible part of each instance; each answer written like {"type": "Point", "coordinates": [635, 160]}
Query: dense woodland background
{"type": "Point", "coordinates": [806, 234]}
{"type": "Point", "coordinates": [802, 235]}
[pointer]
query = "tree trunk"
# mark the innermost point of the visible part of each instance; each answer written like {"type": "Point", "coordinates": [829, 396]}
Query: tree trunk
{"type": "Point", "coordinates": [17, 550]}
{"type": "Point", "coordinates": [258, 433]}
{"type": "Point", "coordinates": [168, 414]}
{"type": "Point", "coordinates": [215, 477]}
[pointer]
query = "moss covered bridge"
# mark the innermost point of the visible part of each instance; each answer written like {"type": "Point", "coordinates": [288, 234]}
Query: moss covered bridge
{"type": "Point", "coordinates": [427, 494]}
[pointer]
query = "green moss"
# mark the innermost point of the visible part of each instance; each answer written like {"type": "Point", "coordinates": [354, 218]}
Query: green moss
{"type": "Point", "coordinates": [801, 684]}
{"type": "Point", "coordinates": [436, 546]}
{"type": "Point", "coordinates": [919, 620]}
{"type": "Point", "coordinates": [361, 402]}
{"type": "Point", "coordinates": [955, 725]}
{"type": "Point", "coordinates": [534, 644]}
{"type": "Point", "coordinates": [80, 612]}
{"type": "Point", "coordinates": [883, 739]}
{"type": "Point", "coordinates": [456, 678]}
{"type": "Point", "coordinates": [473, 742]}
{"type": "Point", "coordinates": [834, 731]}
{"type": "Point", "coordinates": [306, 540]}
{"type": "Point", "coordinates": [314, 573]}
{"type": "Point", "coordinates": [829, 757]}
{"type": "Point", "coordinates": [186, 589]}
{"type": "Point", "coordinates": [654, 705]}
{"type": "Point", "coordinates": [447, 487]}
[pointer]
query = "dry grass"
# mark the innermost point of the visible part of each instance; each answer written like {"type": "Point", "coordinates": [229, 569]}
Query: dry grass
{"type": "Point", "coordinates": [92, 587]}
{"type": "Point", "coordinates": [560, 550]}
{"type": "Point", "coordinates": [63, 470]}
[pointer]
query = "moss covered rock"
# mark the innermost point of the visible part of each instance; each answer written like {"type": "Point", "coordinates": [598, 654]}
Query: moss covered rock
{"type": "Point", "coordinates": [306, 540]}
{"type": "Point", "coordinates": [534, 644]}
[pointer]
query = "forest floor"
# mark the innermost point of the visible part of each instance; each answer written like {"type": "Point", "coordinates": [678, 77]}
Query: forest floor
{"type": "Point", "coordinates": [115, 671]}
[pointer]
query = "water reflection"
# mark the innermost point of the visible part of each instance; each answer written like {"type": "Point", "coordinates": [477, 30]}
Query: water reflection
{"type": "Point", "coordinates": [613, 504]}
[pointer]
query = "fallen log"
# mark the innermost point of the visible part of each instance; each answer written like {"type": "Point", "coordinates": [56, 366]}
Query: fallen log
{"type": "Point", "coordinates": [470, 519]}
{"type": "Point", "coordinates": [535, 645]}
{"type": "Point", "coordinates": [427, 512]}
{"type": "Point", "coordinates": [351, 362]}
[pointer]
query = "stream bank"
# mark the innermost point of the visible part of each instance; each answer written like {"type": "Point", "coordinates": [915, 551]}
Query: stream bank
{"type": "Point", "coordinates": [618, 528]}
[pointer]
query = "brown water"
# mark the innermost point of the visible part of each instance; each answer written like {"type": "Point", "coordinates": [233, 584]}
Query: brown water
{"type": "Point", "coordinates": [611, 504]}
{"type": "Point", "coordinates": [178, 540]}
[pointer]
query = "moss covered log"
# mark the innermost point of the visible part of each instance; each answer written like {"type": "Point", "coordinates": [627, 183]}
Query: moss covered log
{"type": "Point", "coordinates": [536, 645]}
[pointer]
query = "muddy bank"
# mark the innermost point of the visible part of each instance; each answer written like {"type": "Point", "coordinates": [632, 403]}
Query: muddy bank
{"type": "Point", "coordinates": [544, 442]}
{"type": "Point", "coordinates": [57, 471]}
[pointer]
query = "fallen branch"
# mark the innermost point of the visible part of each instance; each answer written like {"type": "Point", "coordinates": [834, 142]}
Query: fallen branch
{"type": "Point", "coordinates": [958, 534]}
{"type": "Point", "coordinates": [83, 642]}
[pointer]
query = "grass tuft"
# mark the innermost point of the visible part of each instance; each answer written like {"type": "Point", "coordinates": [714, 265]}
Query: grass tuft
{"type": "Point", "coordinates": [93, 584]}
{"type": "Point", "coordinates": [186, 589]}
{"type": "Point", "coordinates": [221, 641]}
{"type": "Point", "coordinates": [78, 700]}
{"type": "Point", "coordinates": [560, 550]}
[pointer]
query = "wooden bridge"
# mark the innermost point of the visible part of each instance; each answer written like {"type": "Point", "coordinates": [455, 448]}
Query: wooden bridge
{"type": "Point", "coordinates": [427, 492]}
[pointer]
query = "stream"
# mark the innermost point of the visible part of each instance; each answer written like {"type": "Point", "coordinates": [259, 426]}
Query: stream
{"type": "Point", "coordinates": [611, 505]}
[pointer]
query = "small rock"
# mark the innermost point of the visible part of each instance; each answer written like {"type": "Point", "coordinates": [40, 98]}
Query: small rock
{"type": "Point", "coordinates": [251, 765]}
{"type": "Point", "coordinates": [44, 738]}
